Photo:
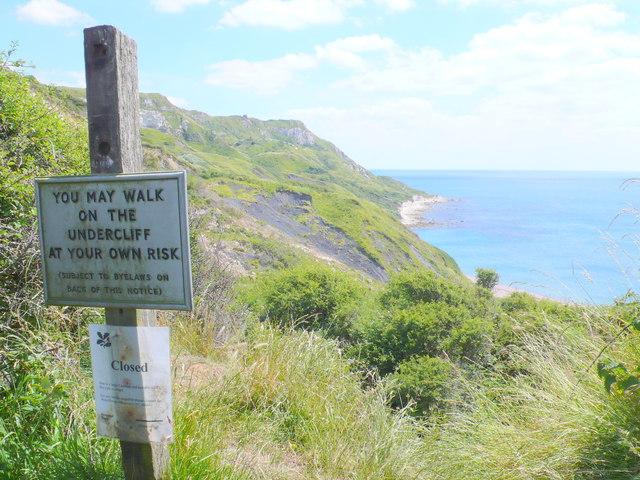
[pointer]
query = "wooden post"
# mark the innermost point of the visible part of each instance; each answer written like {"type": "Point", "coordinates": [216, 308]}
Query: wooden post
{"type": "Point", "coordinates": [111, 66]}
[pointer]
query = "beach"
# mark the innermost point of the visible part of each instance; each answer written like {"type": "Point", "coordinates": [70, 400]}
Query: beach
{"type": "Point", "coordinates": [411, 211]}
{"type": "Point", "coordinates": [503, 291]}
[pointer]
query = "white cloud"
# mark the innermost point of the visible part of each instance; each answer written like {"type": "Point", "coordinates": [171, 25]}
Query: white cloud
{"type": "Point", "coordinates": [344, 52]}
{"type": "Point", "coordinates": [594, 15]}
{"type": "Point", "coordinates": [405, 132]}
{"type": "Point", "coordinates": [264, 77]}
{"type": "Point", "coordinates": [299, 14]}
{"type": "Point", "coordinates": [536, 53]}
{"type": "Point", "coordinates": [51, 12]}
{"type": "Point", "coordinates": [289, 15]}
{"type": "Point", "coordinates": [270, 76]}
{"type": "Point", "coordinates": [541, 89]}
{"type": "Point", "coordinates": [467, 3]}
{"type": "Point", "coordinates": [396, 5]}
{"type": "Point", "coordinates": [529, 54]}
{"type": "Point", "coordinates": [513, 3]}
{"type": "Point", "coordinates": [175, 6]}
{"type": "Point", "coordinates": [363, 43]}
{"type": "Point", "coordinates": [410, 132]}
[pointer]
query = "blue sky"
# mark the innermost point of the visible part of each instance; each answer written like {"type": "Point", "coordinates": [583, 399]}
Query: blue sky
{"type": "Point", "coordinates": [433, 84]}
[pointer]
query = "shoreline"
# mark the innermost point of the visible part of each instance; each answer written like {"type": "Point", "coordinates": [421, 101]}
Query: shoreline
{"type": "Point", "coordinates": [411, 211]}
{"type": "Point", "coordinates": [411, 216]}
{"type": "Point", "coordinates": [502, 290]}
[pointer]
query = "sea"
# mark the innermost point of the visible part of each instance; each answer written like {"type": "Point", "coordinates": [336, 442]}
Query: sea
{"type": "Point", "coordinates": [572, 236]}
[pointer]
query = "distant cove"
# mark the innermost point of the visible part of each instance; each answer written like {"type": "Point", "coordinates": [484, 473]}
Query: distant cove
{"type": "Point", "coordinates": [555, 233]}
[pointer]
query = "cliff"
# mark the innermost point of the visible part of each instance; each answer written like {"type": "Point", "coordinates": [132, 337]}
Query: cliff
{"type": "Point", "coordinates": [269, 193]}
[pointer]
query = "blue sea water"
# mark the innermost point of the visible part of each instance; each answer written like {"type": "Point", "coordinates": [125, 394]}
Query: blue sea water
{"type": "Point", "coordinates": [561, 234]}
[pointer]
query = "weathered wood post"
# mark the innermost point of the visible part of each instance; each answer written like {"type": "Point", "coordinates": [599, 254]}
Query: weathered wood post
{"type": "Point", "coordinates": [115, 147]}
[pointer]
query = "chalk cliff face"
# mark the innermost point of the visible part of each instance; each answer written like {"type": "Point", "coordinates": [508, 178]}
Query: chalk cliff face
{"type": "Point", "coordinates": [299, 135]}
{"type": "Point", "coordinates": [269, 193]}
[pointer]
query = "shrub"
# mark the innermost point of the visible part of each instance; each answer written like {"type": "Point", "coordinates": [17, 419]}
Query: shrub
{"type": "Point", "coordinates": [35, 140]}
{"type": "Point", "coordinates": [486, 278]}
{"type": "Point", "coordinates": [424, 286]}
{"type": "Point", "coordinates": [471, 340]}
{"type": "Point", "coordinates": [423, 384]}
{"type": "Point", "coordinates": [421, 330]}
{"type": "Point", "coordinates": [42, 429]}
{"type": "Point", "coordinates": [312, 296]}
{"type": "Point", "coordinates": [519, 302]}
{"type": "Point", "coordinates": [523, 312]}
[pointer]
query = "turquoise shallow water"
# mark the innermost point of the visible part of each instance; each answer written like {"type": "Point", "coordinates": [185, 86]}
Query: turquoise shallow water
{"type": "Point", "coordinates": [556, 233]}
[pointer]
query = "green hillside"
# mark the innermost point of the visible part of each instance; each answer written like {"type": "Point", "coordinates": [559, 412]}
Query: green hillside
{"type": "Point", "coordinates": [274, 182]}
{"type": "Point", "coordinates": [311, 370]}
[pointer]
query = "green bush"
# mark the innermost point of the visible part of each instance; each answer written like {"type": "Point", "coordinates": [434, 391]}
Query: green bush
{"type": "Point", "coordinates": [424, 286]}
{"type": "Point", "coordinates": [35, 140]}
{"type": "Point", "coordinates": [426, 315]}
{"type": "Point", "coordinates": [524, 303]}
{"type": "Point", "coordinates": [401, 334]}
{"type": "Point", "coordinates": [522, 312]}
{"type": "Point", "coordinates": [423, 384]}
{"type": "Point", "coordinates": [621, 376]}
{"type": "Point", "coordinates": [470, 341]}
{"type": "Point", "coordinates": [519, 302]}
{"type": "Point", "coordinates": [43, 433]}
{"type": "Point", "coordinates": [312, 296]}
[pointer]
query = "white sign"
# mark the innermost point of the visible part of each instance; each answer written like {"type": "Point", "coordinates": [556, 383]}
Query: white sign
{"type": "Point", "coordinates": [115, 240]}
{"type": "Point", "coordinates": [132, 381]}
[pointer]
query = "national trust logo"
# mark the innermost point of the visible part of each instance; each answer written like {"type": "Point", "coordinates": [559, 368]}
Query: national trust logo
{"type": "Point", "coordinates": [103, 339]}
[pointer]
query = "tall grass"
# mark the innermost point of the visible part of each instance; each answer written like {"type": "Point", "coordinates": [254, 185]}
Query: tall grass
{"type": "Point", "coordinates": [269, 404]}
{"type": "Point", "coordinates": [553, 421]}
{"type": "Point", "coordinates": [46, 409]}
{"type": "Point", "coordinates": [286, 405]}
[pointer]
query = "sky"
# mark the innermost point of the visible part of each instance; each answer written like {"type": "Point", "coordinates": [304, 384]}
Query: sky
{"type": "Point", "coordinates": [395, 84]}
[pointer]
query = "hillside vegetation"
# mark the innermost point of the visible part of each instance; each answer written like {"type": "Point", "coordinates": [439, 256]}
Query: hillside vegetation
{"type": "Point", "coordinates": [268, 183]}
{"type": "Point", "coordinates": [291, 367]}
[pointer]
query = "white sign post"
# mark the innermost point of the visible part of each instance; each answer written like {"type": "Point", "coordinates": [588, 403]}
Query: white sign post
{"type": "Point", "coordinates": [132, 380]}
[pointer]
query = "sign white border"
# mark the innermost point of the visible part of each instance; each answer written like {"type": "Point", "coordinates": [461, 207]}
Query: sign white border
{"type": "Point", "coordinates": [180, 177]}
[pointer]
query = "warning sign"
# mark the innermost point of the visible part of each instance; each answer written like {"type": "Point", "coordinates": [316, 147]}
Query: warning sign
{"type": "Point", "coordinates": [115, 241]}
{"type": "Point", "coordinates": [132, 381]}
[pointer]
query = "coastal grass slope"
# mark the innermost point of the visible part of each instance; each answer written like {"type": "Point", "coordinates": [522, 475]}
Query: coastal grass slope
{"type": "Point", "coordinates": [276, 180]}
